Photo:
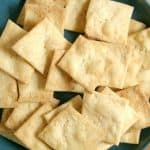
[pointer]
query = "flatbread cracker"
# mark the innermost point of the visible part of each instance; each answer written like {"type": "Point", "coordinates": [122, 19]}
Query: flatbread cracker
{"type": "Point", "coordinates": [34, 13]}
{"type": "Point", "coordinates": [108, 21]}
{"type": "Point", "coordinates": [9, 61]}
{"type": "Point", "coordinates": [61, 3]}
{"type": "Point", "coordinates": [107, 113]}
{"type": "Point", "coordinates": [76, 15]}
{"type": "Point", "coordinates": [97, 63]}
{"type": "Point", "coordinates": [32, 127]}
{"type": "Point", "coordinates": [132, 136]}
{"type": "Point", "coordinates": [8, 90]}
{"type": "Point", "coordinates": [136, 26]}
{"type": "Point", "coordinates": [76, 102]}
{"type": "Point", "coordinates": [35, 90]}
{"type": "Point", "coordinates": [130, 117]}
{"type": "Point", "coordinates": [57, 79]}
{"type": "Point", "coordinates": [70, 130]}
{"type": "Point", "coordinates": [139, 103]}
{"type": "Point", "coordinates": [37, 46]}
{"type": "Point", "coordinates": [20, 114]}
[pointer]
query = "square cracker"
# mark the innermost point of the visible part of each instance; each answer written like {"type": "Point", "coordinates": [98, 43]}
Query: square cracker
{"type": "Point", "coordinates": [108, 21]}
{"type": "Point", "coordinates": [107, 113]}
{"type": "Point", "coordinates": [19, 114]}
{"type": "Point", "coordinates": [136, 26]}
{"type": "Point", "coordinates": [70, 130]}
{"type": "Point", "coordinates": [61, 3]}
{"type": "Point", "coordinates": [76, 102]}
{"type": "Point", "coordinates": [35, 90]}
{"type": "Point", "coordinates": [75, 18]}
{"type": "Point", "coordinates": [10, 62]}
{"type": "Point", "coordinates": [132, 136]}
{"type": "Point", "coordinates": [139, 103]}
{"type": "Point", "coordinates": [34, 13]}
{"type": "Point", "coordinates": [32, 127]}
{"type": "Point", "coordinates": [97, 63]}
{"type": "Point", "coordinates": [57, 79]}
{"type": "Point", "coordinates": [36, 46]}
{"type": "Point", "coordinates": [8, 90]}
{"type": "Point", "coordinates": [130, 117]}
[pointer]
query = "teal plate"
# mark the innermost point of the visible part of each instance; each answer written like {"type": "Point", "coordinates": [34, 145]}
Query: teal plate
{"type": "Point", "coordinates": [11, 8]}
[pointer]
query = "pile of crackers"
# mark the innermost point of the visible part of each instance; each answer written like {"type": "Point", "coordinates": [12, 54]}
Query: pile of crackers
{"type": "Point", "coordinates": [109, 63]}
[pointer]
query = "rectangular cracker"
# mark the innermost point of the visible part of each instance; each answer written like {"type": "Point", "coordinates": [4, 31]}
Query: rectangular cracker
{"type": "Point", "coordinates": [57, 79]}
{"type": "Point", "coordinates": [76, 15]}
{"type": "Point", "coordinates": [32, 127]}
{"type": "Point", "coordinates": [35, 90]}
{"type": "Point", "coordinates": [75, 102]}
{"type": "Point", "coordinates": [8, 90]}
{"type": "Point", "coordinates": [34, 13]}
{"type": "Point", "coordinates": [107, 113]}
{"type": "Point", "coordinates": [9, 61]}
{"type": "Point", "coordinates": [108, 21]}
{"type": "Point", "coordinates": [69, 131]}
{"type": "Point", "coordinates": [132, 136]}
{"type": "Point", "coordinates": [93, 63]}
{"type": "Point", "coordinates": [36, 46]}
{"type": "Point", "coordinates": [130, 117]}
{"type": "Point", "coordinates": [20, 114]}
{"type": "Point", "coordinates": [139, 103]}
{"type": "Point", "coordinates": [136, 26]}
{"type": "Point", "coordinates": [61, 3]}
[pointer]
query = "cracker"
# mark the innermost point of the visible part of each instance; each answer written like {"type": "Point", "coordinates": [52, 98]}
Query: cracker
{"type": "Point", "coordinates": [97, 63]}
{"type": "Point", "coordinates": [61, 3]}
{"type": "Point", "coordinates": [132, 136]}
{"type": "Point", "coordinates": [35, 90]}
{"type": "Point", "coordinates": [76, 15]}
{"type": "Point", "coordinates": [70, 130]}
{"type": "Point", "coordinates": [107, 19]}
{"type": "Point", "coordinates": [130, 117]}
{"type": "Point", "coordinates": [28, 132]}
{"type": "Point", "coordinates": [107, 113]}
{"type": "Point", "coordinates": [58, 80]}
{"type": "Point", "coordinates": [76, 102]}
{"type": "Point", "coordinates": [34, 13]}
{"type": "Point", "coordinates": [139, 103]}
{"type": "Point", "coordinates": [5, 114]}
{"type": "Point", "coordinates": [134, 67]}
{"type": "Point", "coordinates": [8, 90]}
{"type": "Point", "coordinates": [37, 46]}
{"type": "Point", "coordinates": [136, 26]}
{"type": "Point", "coordinates": [9, 61]}
{"type": "Point", "coordinates": [20, 114]}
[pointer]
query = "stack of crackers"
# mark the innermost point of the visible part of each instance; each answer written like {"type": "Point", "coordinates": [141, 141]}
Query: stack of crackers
{"type": "Point", "coordinates": [109, 63]}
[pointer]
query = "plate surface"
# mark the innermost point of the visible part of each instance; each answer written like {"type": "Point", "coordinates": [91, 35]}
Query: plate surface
{"type": "Point", "coordinates": [11, 8]}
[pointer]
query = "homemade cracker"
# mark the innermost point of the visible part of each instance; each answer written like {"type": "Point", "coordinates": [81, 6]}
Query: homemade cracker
{"type": "Point", "coordinates": [76, 15]}
{"type": "Point", "coordinates": [37, 46]}
{"type": "Point", "coordinates": [20, 114]}
{"type": "Point", "coordinates": [93, 63]}
{"type": "Point", "coordinates": [76, 102]}
{"type": "Point", "coordinates": [139, 103]}
{"type": "Point", "coordinates": [69, 130]}
{"type": "Point", "coordinates": [10, 62]}
{"type": "Point", "coordinates": [34, 13]}
{"type": "Point", "coordinates": [35, 90]}
{"type": "Point", "coordinates": [8, 90]}
{"type": "Point", "coordinates": [28, 132]}
{"type": "Point", "coordinates": [136, 26]}
{"type": "Point", "coordinates": [108, 21]}
{"type": "Point", "coordinates": [107, 113]}
{"type": "Point", "coordinates": [132, 136]}
{"type": "Point", "coordinates": [57, 79]}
